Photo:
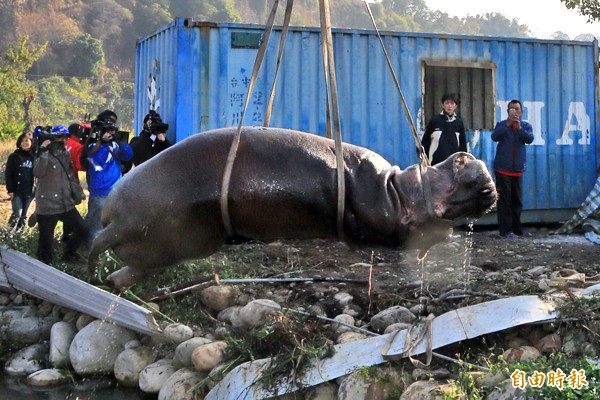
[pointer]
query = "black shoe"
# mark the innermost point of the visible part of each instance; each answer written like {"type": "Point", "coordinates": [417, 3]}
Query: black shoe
{"type": "Point", "coordinates": [523, 233]}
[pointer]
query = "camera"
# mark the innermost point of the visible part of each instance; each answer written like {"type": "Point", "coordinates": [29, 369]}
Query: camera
{"type": "Point", "coordinates": [157, 126]}
{"type": "Point", "coordinates": [45, 133]}
{"type": "Point", "coordinates": [94, 129]}
{"type": "Point", "coordinates": [512, 112]}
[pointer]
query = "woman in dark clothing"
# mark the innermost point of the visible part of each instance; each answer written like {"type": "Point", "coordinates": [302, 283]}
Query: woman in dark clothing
{"type": "Point", "coordinates": [19, 181]}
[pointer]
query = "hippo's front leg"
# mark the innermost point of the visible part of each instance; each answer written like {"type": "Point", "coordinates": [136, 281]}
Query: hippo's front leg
{"type": "Point", "coordinates": [125, 278]}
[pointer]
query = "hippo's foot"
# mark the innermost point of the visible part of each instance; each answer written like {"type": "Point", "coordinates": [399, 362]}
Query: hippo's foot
{"type": "Point", "coordinates": [124, 278]}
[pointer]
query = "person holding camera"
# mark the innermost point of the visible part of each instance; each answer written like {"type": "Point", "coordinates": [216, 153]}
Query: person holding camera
{"type": "Point", "coordinates": [19, 181]}
{"type": "Point", "coordinates": [151, 140]}
{"type": "Point", "coordinates": [103, 158]}
{"type": "Point", "coordinates": [445, 132]}
{"type": "Point", "coordinates": [53, 169]}
{"type": "Point", "coordinates": [512, 134]}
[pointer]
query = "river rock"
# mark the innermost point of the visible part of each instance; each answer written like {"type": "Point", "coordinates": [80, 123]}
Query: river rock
{"type": "Point", "coordinates": [398, 326]}
{"type": "Point", "coordinates": [391, 316]}
{"type": "Point", "coordinates": [178, 385]}
{"type": "Point", "coordinates": [83, 320]}
{"type": "Point", "coordinates": [208, 356]}
{"type": "Point", "coordinates": [130, 362]}
{"type": "Point", "coordinates": [522, 353]}
{"type": "Point", "coordinates": [153, 377]}
{"type": "Point", "coordinates": [257, 312]}
{"type": "Point", "coordinates": [178, 333]}
{"type": "Point", "coordinates": [218, 298]}
{"type": "Point", "coordinates": [183, 352]}
{"type": "Point", "coordinates": [345, 320]}
{"type": "Point", "coordinates": [426, 390]}
{"type": "Point", "coordinates": [30, 330]}
{"type": "Point", "coordinates": [61, 336]}
{"type": "Point", "coordinates": [343, 299]}
{"type": "Point", "coordinates": [324, 391]}
{"type": "Point", "coordinates": [96, 347]}
{"type": "Point", "coordinates": [549, 344]}
{"type": "Point", "coordinates": [27, 361]}
{"type": "Point", "coordinates": [231, 316]}
{"type": "Point", "coordinates": [49, 377]}
{"type": "Point", "coordinates": [378, 383]}
{"type": "Point", "coordinates": [347, 337]}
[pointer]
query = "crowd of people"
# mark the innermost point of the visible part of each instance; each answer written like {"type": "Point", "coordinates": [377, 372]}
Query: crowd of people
{"type": "Point", "coordinates": [45, 167]}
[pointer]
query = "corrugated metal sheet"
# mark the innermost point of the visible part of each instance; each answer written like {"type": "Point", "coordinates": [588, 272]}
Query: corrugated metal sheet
{"type": "Point", "coordinates": [201, 73]}
{"type": "Point", "coordinates": [20, 272]}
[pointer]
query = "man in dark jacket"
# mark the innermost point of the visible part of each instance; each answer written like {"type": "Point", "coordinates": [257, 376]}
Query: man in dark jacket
{"type": "Point", "coordinates": [512, 135]}
{"type": "Point", "coordinates": [53, 169]}
{"type": "Point", "coordinates": [151, 140]}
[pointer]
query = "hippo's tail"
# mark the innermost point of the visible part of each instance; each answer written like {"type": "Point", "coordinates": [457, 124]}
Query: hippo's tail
{"type": "Point", "coordinates": [105, 240]}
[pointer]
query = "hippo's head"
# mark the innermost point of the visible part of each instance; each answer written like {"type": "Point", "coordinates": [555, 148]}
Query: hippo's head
{"type": "Point", "coordinates": [461, 187]}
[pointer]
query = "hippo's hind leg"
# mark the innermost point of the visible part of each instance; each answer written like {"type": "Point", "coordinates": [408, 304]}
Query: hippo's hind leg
{"type": "Point", "coordinates": [125, 278]}
{"type": "Point", "coordinates": [109, 239]}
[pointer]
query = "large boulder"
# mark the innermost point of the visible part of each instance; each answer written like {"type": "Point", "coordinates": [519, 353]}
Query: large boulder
{"type": "Point", "coordinates": [95, 348]}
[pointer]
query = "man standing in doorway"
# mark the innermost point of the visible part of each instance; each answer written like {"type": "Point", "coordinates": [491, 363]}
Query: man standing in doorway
{"type": "Point", "coordinates": [512, 135]}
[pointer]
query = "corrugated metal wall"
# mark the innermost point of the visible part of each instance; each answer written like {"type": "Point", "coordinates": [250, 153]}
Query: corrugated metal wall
{"type": "Point", "coordinates": [202, 71]}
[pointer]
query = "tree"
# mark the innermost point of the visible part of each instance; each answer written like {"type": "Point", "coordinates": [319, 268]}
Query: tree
{"type": "Point", "coordinates": [16, 92]}
{"type": "Point", "coordinates": [587, 8]}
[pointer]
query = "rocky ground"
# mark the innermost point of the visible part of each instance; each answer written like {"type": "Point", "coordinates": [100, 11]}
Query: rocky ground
{"type": "Point", "coordinates": [473, 260]}
{"type": "Point", "coordinates": [363, 287]}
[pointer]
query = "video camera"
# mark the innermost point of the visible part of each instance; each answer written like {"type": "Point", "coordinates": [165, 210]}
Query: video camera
{"type": "Point", "coordinates": [157, 126]}
{"type": "Point", "coordinates": [45, 133]}
{"type": "Point", "coordinates": [92, 130]}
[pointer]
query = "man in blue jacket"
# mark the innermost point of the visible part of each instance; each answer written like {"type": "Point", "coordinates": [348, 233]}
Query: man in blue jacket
{"type": "Point", "coordinates": [512, 135]}
{"type": "Point", "coordinates": [103, 157]}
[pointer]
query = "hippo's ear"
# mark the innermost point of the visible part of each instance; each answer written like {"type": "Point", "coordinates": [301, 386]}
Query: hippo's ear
{"type": "Point", "coordinates": [460, 160]}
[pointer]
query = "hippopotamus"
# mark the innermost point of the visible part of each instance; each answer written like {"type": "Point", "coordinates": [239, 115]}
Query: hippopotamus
{"type": "Point", "coordinates": [283, 186]}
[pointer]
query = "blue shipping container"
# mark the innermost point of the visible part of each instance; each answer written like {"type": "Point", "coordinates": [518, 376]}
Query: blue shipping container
{"type": "Point", "coordinates": [196, 75]}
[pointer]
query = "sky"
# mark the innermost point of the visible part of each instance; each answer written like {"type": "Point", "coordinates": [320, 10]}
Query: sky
{"type": "Point", "coordinates": [543, 17]}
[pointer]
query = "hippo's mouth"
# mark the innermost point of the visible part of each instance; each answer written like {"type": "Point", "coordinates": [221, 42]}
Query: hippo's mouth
{"type": "Point", "coordinates": [476, 205]}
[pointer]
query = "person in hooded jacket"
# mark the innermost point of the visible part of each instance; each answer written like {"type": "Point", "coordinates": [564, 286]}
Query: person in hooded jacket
{"type": "Point", "coordinates": [151, 140]}
{"type": "Point", "coordinates": [19, 181]}
{"type": "Point", "coordinates": [103, 159]}
{"type": "Point", "coordinates": [53, 169]}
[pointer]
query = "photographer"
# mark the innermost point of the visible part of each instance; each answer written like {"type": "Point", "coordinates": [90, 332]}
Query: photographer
{"type": "Point", "coordinates": [103, 157]}
{"type": "Point", "coordinates": [53, 170]}
{"type": "Point", "coordinates": [151, 140]}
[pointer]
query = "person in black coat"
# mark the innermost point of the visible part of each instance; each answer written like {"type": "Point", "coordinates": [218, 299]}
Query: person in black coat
{"type": "Point", "coordinates": [151, 140]}
{"type": "Point", "coordinates": [445, 132]}
{"type": "Point", "coordinates": [19, 181]}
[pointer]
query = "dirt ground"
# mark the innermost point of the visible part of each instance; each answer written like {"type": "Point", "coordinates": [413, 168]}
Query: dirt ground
{"type": "Point", "coordinates": [476, 262]}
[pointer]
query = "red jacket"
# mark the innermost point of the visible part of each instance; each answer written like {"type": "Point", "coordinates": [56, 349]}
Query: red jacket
{"type": "Point", "coordinates": [74, 148]}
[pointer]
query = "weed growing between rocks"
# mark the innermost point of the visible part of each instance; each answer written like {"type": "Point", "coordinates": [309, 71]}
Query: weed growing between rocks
{"type": "Point", "coordinates": [292, 342]}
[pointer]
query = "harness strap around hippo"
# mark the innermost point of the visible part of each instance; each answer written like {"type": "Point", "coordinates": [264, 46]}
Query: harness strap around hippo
{"type": "Point", "coordinates": [329, 68]}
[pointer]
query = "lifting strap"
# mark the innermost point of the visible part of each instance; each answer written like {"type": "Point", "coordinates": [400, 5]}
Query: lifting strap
{"type": "Point", "coordinates": [426, 187]}
{"type": "Point", "coordinates": [284, 31]}
{"type": "Point", "coordinates": [236, 139]}
{"type": "Point", "coordinates": [329, 68]}
{"type": "Point", "coordinates": [330, 80]}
